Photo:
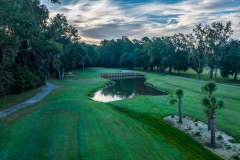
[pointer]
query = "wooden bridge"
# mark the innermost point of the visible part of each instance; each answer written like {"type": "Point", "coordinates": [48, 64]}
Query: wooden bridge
{"type": "Point", "coordinates": [120, 75]}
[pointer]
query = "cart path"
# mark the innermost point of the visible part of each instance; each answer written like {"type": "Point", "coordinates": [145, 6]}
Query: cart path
{"type": "Point", "coordinates": [46, 90]}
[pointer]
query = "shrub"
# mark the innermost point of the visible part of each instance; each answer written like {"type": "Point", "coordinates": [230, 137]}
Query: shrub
{"type": "Point", "coordinates": [228, 146]}
{"type": "Point", "coordinates": [189, 128]}
{"type": "Point", "coordinates": [172, 116]}
{"type": "Point", "coordinates": [219, 137]}
{"type": "Point", "coordinates": [184, 116]}
{"type": "Point", "coordinates": [233, 141]}
{"type": "Point", "coordinates": [195, 120]}
{"type": "Point", "coordinates": [196, 124]}
{"type": "Point", "coordinates": [198, 133]}
{"type": "Point", "coordinates": [236, 156]}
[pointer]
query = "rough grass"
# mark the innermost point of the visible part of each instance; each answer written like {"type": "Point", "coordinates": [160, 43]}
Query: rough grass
{"type": "Point", "coordinates": [11, 100]}
{"type": "Point", "coordinates": [67, 124]}
{"type": "Point", "coordinates": [204, 76]}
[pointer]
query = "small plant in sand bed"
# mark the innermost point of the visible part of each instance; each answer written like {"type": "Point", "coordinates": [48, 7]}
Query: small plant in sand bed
{"type": "Point", "coordinates": [184, 116]}
{"type": "Point", "coordinates": [228, 146]}
{"type": "Point", "coordinates": [236, 156]}
{"type": "Point", "coordinates": [219, 137]}
{"type": "Point", "coordinates": [172, 116]}
{"type": "Point", "coordinates": [196, 124]}
{"type": "Point", "coordinates": [234, 141]}
{"type": "Point", "coordinates": [189, 128]}
{"type": "Point", "coordinates": [198, 133]}
{"type": "Point", "coordinates": [195, 120]}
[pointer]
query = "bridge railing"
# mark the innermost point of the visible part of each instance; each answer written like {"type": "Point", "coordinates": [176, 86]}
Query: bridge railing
{"type": "Point", "coordinates": [119, 74]}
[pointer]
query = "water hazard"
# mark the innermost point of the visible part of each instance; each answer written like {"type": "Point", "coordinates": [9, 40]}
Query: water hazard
{"type": "Point", "coordinates": [124, 87]}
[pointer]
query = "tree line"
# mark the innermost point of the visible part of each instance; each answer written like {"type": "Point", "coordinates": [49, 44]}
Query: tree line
{"type": "Point", "coordinates": [34, 46]}
{"type": "Point", "coordinates": [210, 46]}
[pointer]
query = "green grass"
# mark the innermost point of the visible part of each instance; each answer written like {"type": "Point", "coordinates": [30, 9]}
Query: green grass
{"type": "Point", "coordinates": [11, 100]}
{"type": "Point", "coordinates": [204, 76]}
{"type": "Point", "coordinates": [67, 124]}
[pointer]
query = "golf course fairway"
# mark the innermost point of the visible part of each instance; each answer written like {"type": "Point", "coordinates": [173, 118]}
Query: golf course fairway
{"type": "Point", "coordinates": [67, 124]}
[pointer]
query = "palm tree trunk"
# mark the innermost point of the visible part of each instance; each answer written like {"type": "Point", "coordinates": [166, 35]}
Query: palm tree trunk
{"type": "Point", "coordinates": [210, 115]}
{"type": "Point", "coordinates": [180, 110]}
{"type": "Point", "coordinates": [209, 121]}
{"type": "Point", "coordinates": [213, 139]}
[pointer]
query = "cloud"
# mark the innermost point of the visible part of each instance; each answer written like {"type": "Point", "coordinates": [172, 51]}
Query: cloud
{"type": "Point", "coordinates": [108, 19]}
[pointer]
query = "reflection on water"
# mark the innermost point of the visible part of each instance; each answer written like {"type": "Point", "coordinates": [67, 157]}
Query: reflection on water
{"type": "Point", "coordinates": [124, 88]}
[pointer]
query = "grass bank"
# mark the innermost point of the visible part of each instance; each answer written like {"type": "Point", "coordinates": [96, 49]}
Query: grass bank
{"type": "Point", "coordinates": [67, 124]}
{"type": "Point", "coordinates": [204, 76]}
{"type": "Point", "coordinates": [11, 100]}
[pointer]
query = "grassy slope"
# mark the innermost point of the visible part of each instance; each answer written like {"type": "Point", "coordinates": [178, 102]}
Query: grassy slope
{"type": "Point", "coordinates": [11, 100]}
{"type": "Point", "coordinates": [67, 124]}
{"type": "Point", "coordinates": [205, 76]}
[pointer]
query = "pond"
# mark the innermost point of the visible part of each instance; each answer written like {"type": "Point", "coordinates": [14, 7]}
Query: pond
{"type": "Point", "coordinates": [124, 88]}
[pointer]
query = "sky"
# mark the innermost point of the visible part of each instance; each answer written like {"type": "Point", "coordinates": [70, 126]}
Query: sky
{"type": "Point", "coordinates": [97, 20]}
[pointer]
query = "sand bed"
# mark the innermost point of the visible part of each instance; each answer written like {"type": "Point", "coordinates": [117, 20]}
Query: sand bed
{"type": "Point", "coordinates": [195, 127]}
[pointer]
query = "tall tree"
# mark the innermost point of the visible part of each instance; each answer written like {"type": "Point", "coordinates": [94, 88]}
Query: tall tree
{"type": "Point", "coordinates": [230, 61]}
{"type": "Point", "coordinates": [222, 34]}
{"type": "Point", "coordinates": [179, 95]}
{"type": "Point", "coordinates": [212, 104]}
{"type": "Point", "coordinates": [209, 88]}
{"type": "Point", "coordinates": [197, 51]}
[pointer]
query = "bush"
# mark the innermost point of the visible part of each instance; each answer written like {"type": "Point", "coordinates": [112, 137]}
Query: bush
{"type": "Point", "coordinates": [228, 146]}
{"type": "Point", "coordinates": [195, 120]}
{"type": "Point", "coordinates": [172, 116]}
{"type": "Point", "coordinates": [198, 133]}
{"type": "Point", "coordinates": [236, 156]}
{"type": "Point", "coordinates": [196, 124]}
{"type": "Point", "coordinates": [233, 141]}
{"type": "Point", "coordinates": [219, 137]}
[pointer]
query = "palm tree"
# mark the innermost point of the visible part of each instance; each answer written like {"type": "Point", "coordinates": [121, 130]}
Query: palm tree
{"type": "Point", "coordinates": [179, 94]}
{"type": "Point", "coordinates": [212, 104]}
{"type": "Point", "coordinates": [209, 88]}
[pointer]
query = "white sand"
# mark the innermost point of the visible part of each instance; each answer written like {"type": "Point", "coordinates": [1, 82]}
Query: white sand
{"type": "Point", "coordinates": [205, 136]}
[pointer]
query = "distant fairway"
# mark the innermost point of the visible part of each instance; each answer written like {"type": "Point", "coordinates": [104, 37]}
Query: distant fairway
{"type": "Point", "coordinates": [67, 124]}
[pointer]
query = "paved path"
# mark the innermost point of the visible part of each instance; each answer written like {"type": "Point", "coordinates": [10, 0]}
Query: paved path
{"type": "Point", "coordinates": [46, 90]}
{"type": "Point", "coordinates": [128, 71]}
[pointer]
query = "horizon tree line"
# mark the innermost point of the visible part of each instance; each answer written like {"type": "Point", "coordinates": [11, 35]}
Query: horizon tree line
{"type": "Point", "coordinates": [34, 47]}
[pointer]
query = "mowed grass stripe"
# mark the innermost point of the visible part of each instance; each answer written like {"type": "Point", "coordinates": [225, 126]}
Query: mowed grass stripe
{"type": "Point", "coordinates": [52, 137]}
{"type": "Point", "coordinates": [103, 132]}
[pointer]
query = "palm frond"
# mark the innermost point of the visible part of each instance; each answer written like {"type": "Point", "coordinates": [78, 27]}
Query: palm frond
{"type": "Point", "coordinates": [204, 89]}
{"type": "Point", "coordinates": [172, 101]}
{"type": "Point", "coordinates": [220, 103]}
{"type": "Point", "coordinates": [207, 112]}
{"type": "Point", "coordinates": [206, 102]}
{"type": "Point", "coordinates": [179, 93]}
{"type": "Point", "coordinates": [214, 100]}
{"type": "Point", "coordinates": [209, 88]}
